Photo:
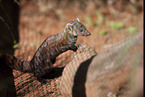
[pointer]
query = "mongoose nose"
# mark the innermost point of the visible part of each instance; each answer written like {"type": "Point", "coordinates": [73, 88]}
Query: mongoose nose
{"type": "Point", "coordinates": [88, 34]}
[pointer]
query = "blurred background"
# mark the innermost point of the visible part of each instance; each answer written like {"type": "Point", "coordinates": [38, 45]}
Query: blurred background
{"type": "Point", "coordinates": [109, 21]}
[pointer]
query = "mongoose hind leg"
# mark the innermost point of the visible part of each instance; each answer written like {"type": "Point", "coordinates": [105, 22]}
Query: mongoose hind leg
{"type": "Point", "coordinates": [38, 75]}
{"type": "Point", "coordinates": [43, 70]}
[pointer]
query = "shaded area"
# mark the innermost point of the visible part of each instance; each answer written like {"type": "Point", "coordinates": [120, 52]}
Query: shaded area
{"type": "Point", "coordinates": [55, 72]}
{"type": "Point", "coordinates": [78, 89]}
{"type": "Point", "coordinates": [7, 87]}
{"type": "Point", "coordinates": [9, 37]}
{"type": "Point", "coordinates": [9, 18]}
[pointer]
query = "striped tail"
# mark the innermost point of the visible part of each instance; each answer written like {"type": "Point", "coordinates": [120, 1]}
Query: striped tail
{"type": "Point", "coordinates": [15, 63]}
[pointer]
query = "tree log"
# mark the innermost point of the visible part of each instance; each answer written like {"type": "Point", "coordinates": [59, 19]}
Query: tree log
{"type": "Point", "coordinates": [107, 74]}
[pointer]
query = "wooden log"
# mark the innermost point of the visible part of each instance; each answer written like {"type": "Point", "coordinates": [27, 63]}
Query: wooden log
{"type": "Point", "coordinates": [105, 74]}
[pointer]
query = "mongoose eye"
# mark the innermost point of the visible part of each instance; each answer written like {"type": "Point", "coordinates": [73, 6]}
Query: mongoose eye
{"type": "Point", "coordinates": [82, 30]}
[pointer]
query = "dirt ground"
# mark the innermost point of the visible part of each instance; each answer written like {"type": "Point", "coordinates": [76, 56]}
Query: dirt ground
{"type": "Point", "coordinates": [39, 20]}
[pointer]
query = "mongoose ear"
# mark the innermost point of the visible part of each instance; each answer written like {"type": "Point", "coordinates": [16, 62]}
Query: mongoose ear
{"type": "Point", "coordinates": [78, 20]}
{"type": "Point", "coordinates": [70, 28]}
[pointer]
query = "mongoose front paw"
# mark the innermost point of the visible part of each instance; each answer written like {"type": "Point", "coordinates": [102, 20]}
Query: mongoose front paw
{"type": "Point", "coordinates": [44, 82]}
{"type": "Point", "coordinates": [74, 48]}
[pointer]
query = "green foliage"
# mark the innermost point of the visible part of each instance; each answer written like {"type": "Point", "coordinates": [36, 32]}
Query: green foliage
{"type": "Point", "coordinates": [31, 44]}
{"type": "Point", "coordinates": [88, 20]}
{"type": "Point", "coordinates": [132, 30]}
{"type": "Point", "coordinates": [117, 25]}
{"type": "Point", "coordinates": [103, 32]}
{"type": "Point", "coordinates": [15, 44]}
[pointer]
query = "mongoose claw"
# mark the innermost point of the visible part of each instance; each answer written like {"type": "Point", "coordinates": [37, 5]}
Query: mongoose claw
{"type": "Point", "coordinates": [47, 83]}
{"type": "Point", "coordinates": [74, 48]}
{"type": "Point", "coordinates": [44, 82]}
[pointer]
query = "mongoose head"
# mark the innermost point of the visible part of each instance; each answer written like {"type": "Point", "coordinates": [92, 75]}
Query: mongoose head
{"type": "Point", "coordinates": [76, 28]}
